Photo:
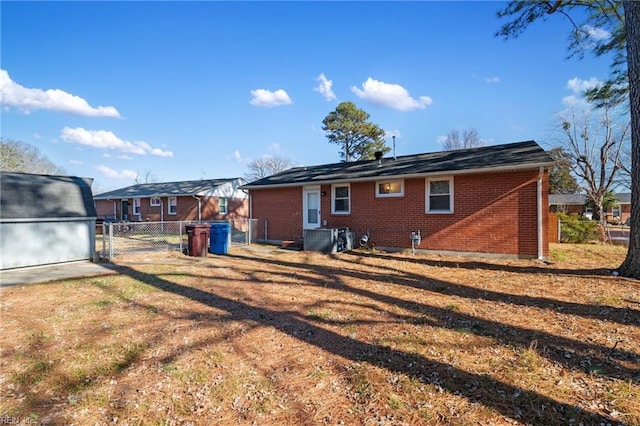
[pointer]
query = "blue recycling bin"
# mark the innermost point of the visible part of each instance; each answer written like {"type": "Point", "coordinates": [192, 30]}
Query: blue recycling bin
{"type": "Point", "coordinates": [219, 238]}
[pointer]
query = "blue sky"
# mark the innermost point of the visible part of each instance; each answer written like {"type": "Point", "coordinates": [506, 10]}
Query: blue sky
{"type": "Point", "coordinates": [191, 90]}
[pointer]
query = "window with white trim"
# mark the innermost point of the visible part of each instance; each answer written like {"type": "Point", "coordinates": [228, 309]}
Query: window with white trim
{"type": "Point", "coordinates": [222, 205]}
{"type": "Point", "coordinates": [615, 211]}
{"type": "Point", "coordinates": [390, 188]}
{"type": "Point", "coordinates": [136, 206]}
{"type": "Point", "coordinates": [341, 199]}
{"type": "Point", "coordinates": [154, 201]}
{"type": "Point", "coordinates": [172, 208]}
{"type": "Point", "coordinates": [439, 195]}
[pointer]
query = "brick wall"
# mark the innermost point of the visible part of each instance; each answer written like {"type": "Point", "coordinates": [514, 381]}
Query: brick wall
{"type": "Point", "coordinates": [186, 209]}
{"type": "Point", "coordinates": [493, 213]}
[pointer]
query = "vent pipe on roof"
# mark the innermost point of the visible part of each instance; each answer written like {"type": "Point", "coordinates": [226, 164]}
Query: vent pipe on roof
{"type": "Point", "coordinates": [394, 146]}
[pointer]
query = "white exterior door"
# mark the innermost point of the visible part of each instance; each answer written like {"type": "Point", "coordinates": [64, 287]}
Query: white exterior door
{"type": "Point", "coordinates": [311, 207]}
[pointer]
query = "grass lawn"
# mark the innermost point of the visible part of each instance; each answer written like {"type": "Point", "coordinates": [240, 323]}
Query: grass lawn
{"type": "Point", "coordinates": [274, 337]}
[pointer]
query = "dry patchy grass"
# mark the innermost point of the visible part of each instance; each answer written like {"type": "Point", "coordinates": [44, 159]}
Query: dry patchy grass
{"type": "Point", "coordinates": [272, 337]}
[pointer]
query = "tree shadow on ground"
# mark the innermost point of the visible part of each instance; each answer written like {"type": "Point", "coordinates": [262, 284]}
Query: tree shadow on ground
{"type": "Point", "coordinates": [511, 401]}
{"type": "Point", "coordinates": [626, 316]}
{"type": "Point", "coordinates": [571, 353]}
{"type": "Point", "coordinates": [475, 264]}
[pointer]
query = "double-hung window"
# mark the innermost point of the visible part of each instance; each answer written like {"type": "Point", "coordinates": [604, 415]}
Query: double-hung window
{"type": "Point", "coordinates": [222, 205]}
{"type": "Point", "coordinates": [341, 199]}
{"type": "Point", "coordinates": [173, 205]}
{"type": "Point", "coordinates": [439, 195]}
{"type": "Point", "coordinates": [136, 206]}
{"type": "Point", "coordinates": [390, 188]}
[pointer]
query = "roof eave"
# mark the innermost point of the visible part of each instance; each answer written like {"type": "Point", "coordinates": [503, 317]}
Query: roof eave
{"type": "Point", "coordinates": [403, 176]}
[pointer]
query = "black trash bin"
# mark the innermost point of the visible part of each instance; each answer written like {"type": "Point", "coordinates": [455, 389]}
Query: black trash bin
{"type": "Point", "coordinates": [198, 236]}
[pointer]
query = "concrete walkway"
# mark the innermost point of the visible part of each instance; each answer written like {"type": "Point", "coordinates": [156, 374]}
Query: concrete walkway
{"type": "Point", "coordinates": [59, 271]}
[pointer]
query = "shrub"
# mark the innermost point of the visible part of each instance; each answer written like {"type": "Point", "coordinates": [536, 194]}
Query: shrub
{"type": "Point", "coordinates": [578, 229]}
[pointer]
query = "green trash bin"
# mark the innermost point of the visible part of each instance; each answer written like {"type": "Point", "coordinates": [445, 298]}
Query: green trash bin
{"type": "Point", "coordinates": [219, 238]}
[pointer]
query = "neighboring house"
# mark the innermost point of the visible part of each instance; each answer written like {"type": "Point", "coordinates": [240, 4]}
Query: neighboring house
{"type": "Point", "coordinates": [577, 204]}
{"type": "Point", "coordinates": [213, 199]}
{"type": "Point", "coordinates": [45, 219]}
{"type": "Point", "coordinates": [489, 200]}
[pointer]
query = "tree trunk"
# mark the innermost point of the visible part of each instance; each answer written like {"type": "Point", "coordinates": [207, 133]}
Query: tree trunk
{"type": "Point", "coordinates": [631, 265]}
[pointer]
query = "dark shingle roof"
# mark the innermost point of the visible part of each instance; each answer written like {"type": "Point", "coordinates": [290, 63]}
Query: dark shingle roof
{"type": "Point", "coordinates": [165, 189]}
{"type": "Point", "coordinates": [30, 196]}
{"type": "Point", "coordinates": [581, 199]}
{"type": "Point", "coordinates": [515, 155]}
{"type": "Point", "coordinates": [567, 199]}
{"type": "Point", "coordinates": [624, 197]}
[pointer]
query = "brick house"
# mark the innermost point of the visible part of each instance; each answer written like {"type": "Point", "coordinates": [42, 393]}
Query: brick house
{"type": "Point", "coordinates": [213, 199]}
{"type": "Point", "coordinates": [577, 204]}
{"type": "Point", "coordinates": [490, 200]}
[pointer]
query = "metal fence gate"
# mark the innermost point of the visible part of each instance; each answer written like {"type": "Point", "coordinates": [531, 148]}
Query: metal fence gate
{"type": "Point", "coordinates": [121, 238]}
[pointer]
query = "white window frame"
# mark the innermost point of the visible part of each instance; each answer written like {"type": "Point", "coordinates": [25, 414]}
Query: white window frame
{"type": "Point", "coordinates": [172, 206]}
{"type": "Point", "coordinates": [155, 201]}
{"type": "Point", "coordinates": [428, 195]}
{"type": "Point", "coordinates": [223, 202]}
{"type": "Point", "coordinates": [136, 206]}
{"type": "Point", "coordinates": [616, 211]}
{"type": "Point", "coordinates": [333, 198]}
{"type": "Point", "coordinates": [391, 194]}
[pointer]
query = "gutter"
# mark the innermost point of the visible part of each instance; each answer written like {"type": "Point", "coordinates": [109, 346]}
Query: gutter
{"type": "Point", "coordinates": [199, 207]}
{"type": "Point", "coordinates": [539, 196]}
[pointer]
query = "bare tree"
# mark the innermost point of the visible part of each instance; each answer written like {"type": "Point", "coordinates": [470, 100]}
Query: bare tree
{"type": "Point", "coordinates": [470, 139]}
{"type": "Point", "coordinates": [594, 140]}
{"type": "Point", "coordinates": [145, 177]}
{"type": "Point", "coordinates": [625, 167]}
{"type": "Point", "coordinates": [17, 156]}
{"type": "Point", "coordinates": [266, 166]}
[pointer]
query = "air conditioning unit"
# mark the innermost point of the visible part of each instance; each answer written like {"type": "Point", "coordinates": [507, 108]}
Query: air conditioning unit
{"type": "Point", "coordinates": [328, 240]}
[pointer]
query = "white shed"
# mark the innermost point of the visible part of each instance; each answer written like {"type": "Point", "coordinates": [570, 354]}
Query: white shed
{"type": "Point", "coordinates": [45, 219]}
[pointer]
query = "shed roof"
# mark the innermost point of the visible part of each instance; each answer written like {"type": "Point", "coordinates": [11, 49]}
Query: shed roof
{"type": "Point", "coordinates": [31, 196]}
{"type": "Point", "coordinates": [496, 157]}
{"type": "Point", "coordinates": [166, 189]}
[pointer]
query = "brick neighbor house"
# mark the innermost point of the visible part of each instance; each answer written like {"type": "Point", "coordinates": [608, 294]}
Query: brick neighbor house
{"type": "Point", "coordinates": [213, 199]}
{"type": "Point", "coordinates": [577, 204]}
{"type": "Point", "coordinates": [491, 200]}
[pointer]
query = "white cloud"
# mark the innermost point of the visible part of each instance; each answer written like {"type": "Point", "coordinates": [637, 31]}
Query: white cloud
{"type": "Point", "coordinates": [37, 135]}
{"type": "Point", "coordinates": [392, 133]}
{"type": "Point", "coordinates": [492, 79]}
{"type": "Point", "coordinates": [324, 88]}
{"type": "Point", "coordinates": [266, 98]}
{"type": "Point", "coordinates": [125, 157]}
{"type": "Point", "coordinates": [236, 156]}
{"type": "Point", "coordinates": [274, 147]}
{"type": "Point", "coordinates": [111, 173]}
{"type": "Point", "coordinates": [596, 33]}
{"type": "Point", "coordinates": [28, 100]}
{"type": "Point", "coordinates": [75, 162]}
{"type": "Point", "coordinates": [105, 139]}
{"type": "Point", "coordinates": [579, 87]}
{"type": "Point", "coordinates": [390, 95]}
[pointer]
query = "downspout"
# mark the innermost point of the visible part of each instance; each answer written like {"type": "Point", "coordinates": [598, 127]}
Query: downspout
{"type": "Point", "coordinates": [540, 233]}
{"type": "Point", "coordinates": [199, 207]}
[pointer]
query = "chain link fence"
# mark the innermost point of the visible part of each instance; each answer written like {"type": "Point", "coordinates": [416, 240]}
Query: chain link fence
{"type": "Point", "coordinates": [122, 238]}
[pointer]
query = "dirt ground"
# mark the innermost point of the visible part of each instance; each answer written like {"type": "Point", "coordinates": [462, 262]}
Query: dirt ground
{"type": "Point", "coordinates": [264, 336]}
